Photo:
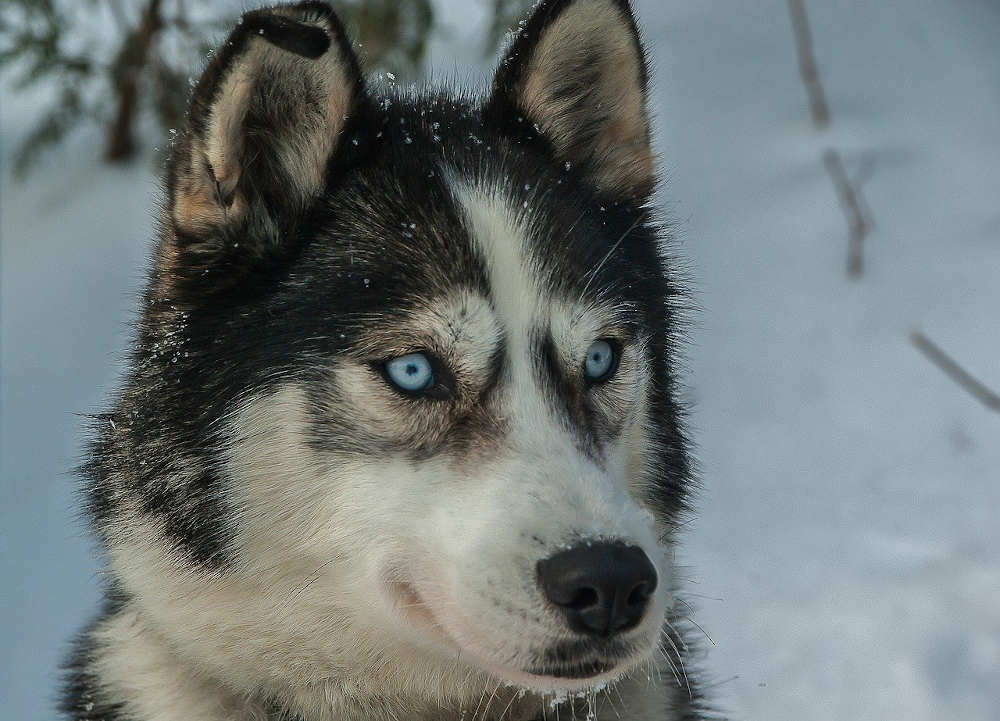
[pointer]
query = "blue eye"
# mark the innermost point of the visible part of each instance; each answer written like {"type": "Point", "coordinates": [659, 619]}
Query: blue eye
{"type": "Point", "coordinates": [411, 372]}
{"type": "Point", "coordinates": [600, 363]}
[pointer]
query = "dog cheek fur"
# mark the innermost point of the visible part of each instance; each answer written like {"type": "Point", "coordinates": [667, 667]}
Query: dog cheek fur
{"type": "Point", "coordinates": [318, 534]}
{"type": "Point", "coordinates": [295, 608]}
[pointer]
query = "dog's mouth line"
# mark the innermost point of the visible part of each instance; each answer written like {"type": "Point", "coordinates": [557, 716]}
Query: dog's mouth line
{"type": "Point", "coordinates": [412, 604]}
{"type": "Point", "coordinates": [583, 664]}
{"type": "Point", "coordinates": [577, 670]}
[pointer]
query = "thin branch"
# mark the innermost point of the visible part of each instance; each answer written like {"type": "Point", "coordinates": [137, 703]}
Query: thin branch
{"type": "Point", "coordinates": [125, 80]}
{"type": "Point", "coordinates": [866, 168]}
{"type": "Point", "coordinates": [950, 367]}
{"type": "Point", "coordinates": [807, 64]}
{"type": "Point", "coordinates": [864, 173]}
{"type": "Point", "coordinates": [857, 225]}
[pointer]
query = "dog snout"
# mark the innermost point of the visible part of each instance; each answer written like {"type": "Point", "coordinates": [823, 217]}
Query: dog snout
{"type": "Point", "coordinates": [601, 588]}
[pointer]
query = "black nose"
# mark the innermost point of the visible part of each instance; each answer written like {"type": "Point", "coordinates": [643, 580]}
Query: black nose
{"type": "Point", "coordinates": [601, 588]}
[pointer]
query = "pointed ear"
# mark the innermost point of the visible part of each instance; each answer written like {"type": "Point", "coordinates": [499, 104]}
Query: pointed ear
{"type": "Point", "coordinates": [577, 70]}
{"type": "Point", "coordinates": [265, 119]}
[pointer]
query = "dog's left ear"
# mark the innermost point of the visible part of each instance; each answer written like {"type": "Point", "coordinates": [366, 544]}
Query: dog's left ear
{"type": "Point", "coordinates": [266, 120]}
{"type": "Point", "coordinates": [577, 70]}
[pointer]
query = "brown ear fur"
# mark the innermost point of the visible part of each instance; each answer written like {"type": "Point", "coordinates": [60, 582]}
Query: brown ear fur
{"type": "Point", "coordinates": [577, 70]}
{"type": "Point", "coordinates": [264, 120]}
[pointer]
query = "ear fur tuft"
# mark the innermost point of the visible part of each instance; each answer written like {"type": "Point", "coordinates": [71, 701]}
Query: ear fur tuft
{"type": "Point", "coordinates": [263, 123]}
{"type": "Point", "coordinates": [578, 71]}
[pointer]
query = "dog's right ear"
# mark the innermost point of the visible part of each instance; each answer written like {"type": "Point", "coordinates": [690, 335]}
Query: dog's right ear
{"type": "Point", "coordinates": [264, 121]}
{"type": "Point", "coordinates": [577, 72]}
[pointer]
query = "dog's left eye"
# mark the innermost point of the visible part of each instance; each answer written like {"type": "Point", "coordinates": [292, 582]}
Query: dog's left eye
{"type": "Point", "coordinates": [411, 372]}
{"type": "Point", "coordinates": [601, 361]}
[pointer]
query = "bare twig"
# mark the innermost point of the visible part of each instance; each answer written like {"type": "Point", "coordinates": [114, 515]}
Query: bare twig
{"type": "Point", "coordinates": [866, 168]}
{"type": "Point", "coordinates": [953, 370]}
{"type": "Point", "coordinates": [807, 64]}
{"type": "Point", "coordinates": [857, 225]}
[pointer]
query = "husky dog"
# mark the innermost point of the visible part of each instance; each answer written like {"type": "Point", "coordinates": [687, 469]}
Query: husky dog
{"type": "Point", "coordinates": [398, 438]}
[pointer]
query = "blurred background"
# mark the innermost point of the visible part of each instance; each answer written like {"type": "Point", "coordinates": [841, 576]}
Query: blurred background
{"type": "Point", "coordinates": [832, 170]}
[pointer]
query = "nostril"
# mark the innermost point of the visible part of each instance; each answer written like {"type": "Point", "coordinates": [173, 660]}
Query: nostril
{"type": "Point", "coordinates": [584, 598]}
{"type": "Point", "coordinates": [640, 594]}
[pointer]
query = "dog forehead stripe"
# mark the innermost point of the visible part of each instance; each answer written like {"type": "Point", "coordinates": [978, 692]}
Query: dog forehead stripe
{"type": "Point", "coordinates": [523, 296]}
{"type": "Point", "coordinates": [499, 234]}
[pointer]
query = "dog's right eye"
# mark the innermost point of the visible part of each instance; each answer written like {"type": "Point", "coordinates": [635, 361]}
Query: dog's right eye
{"type": "Point", "coordinates": [411, 373]}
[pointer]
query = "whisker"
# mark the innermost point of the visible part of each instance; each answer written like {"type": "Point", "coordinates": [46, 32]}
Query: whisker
{"type": "Point", "coordinates": [309, 581]}
{"type": "Point", "coordinates": [486, 685]}
{"type": "Point", "coordinates": [619, 692]}
{"type": "Point", "coordinates": [689, 606]}
{"type": "Point", "coordinates": [719, 683]}
{"type": "Point", "coordinates": [673, 668]}
{"type": "Point", "coordinates": [611, 703]}
{"type": "Point", "coordinates": [490, 700]}
{"type": "Point", "coordinates": [699, 627]}
{"type": "Point", "coordinates": [513, 698]}
{"type": "Point", "coordinates": [656, 667]}
{"type": "Point", "coordinates": [680, 660]}
{"type": "Point", "coordinates": [593, 274]}
{"type": "Point", "coordinates": [676, 633]}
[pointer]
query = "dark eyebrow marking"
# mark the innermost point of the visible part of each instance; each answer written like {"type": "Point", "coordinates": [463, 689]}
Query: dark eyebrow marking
{"type": "Point", "coordinates": [565, 393]}
{"type": "Point", "coordinates": [546, 359]}
{"type": "Point", "coordinates": [559, 390]}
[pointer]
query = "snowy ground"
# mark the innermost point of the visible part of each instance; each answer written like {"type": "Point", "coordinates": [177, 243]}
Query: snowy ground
{"type": "Point", "coordinates": [849, 519]}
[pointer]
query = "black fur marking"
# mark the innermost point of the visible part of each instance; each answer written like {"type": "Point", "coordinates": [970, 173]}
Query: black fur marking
{"type": "Point", "coordinates": [569, 652]}
{"type": "Point", "coordinates": [244, 314]}
{"type": "Point", "coordinates": [82, 699]}
{"type": "Point", "coordinates": [578, 669]}
{"type": "Point", "coordinates": [566, 394]}
{"type": "Point", "coordinates": [287, 34]}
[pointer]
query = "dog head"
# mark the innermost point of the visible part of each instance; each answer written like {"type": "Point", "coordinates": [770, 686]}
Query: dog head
{"type": "Point", "coordinates": [402, 405]}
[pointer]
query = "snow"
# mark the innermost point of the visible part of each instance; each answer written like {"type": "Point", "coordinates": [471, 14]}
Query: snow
{"type": "Point", "coordinates": [849, 517]}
